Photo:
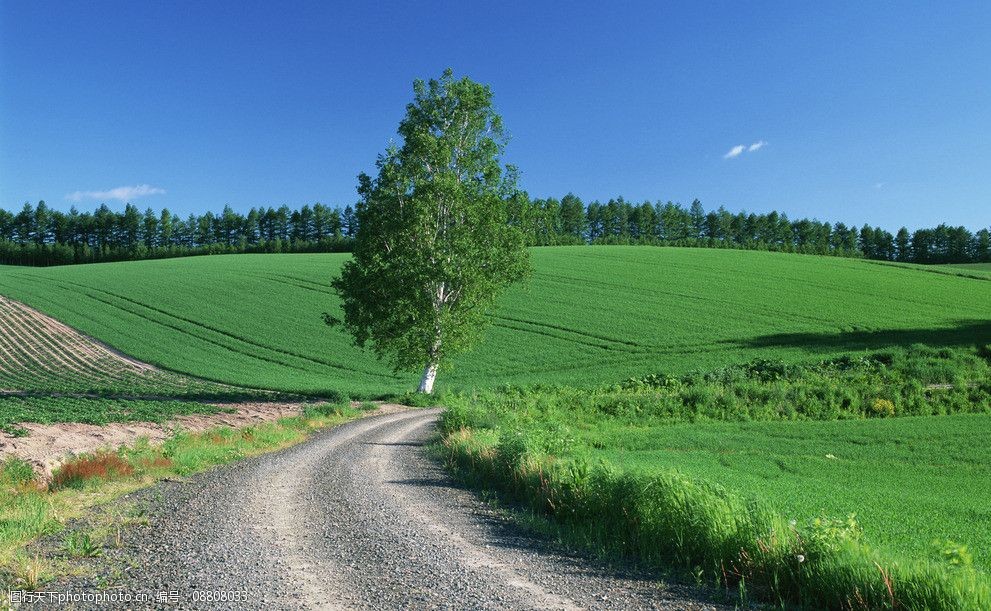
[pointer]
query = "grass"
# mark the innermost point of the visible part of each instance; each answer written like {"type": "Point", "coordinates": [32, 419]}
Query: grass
{"type": "Point", "coordinates": [978, 266]}
{"type": "Point", "coordinates": [671, 521]}
{"type": "Point", "coordinates": [977, 270]}
{"type": "Point", "coordinates": [908, 493]}
{"type": "Point", "coordinates": [46, 410]}
{"type": "Point", "coordinates": [868, 467]}
{"type": "Point", "coordinates": [30, 508]}
{"type": "Point", "coordinates": [589, 315]}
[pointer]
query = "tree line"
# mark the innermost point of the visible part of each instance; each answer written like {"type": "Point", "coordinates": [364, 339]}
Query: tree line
{"type": "Point", "coordinates": [570, 221]}
{"type": "Point", "coordinates": [40, 235]}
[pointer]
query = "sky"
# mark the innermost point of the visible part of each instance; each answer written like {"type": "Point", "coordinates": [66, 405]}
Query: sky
{"type": "Point", "coordinates": [876, 112]}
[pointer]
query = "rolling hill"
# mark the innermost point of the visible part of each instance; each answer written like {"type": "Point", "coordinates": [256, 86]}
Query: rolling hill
{"type": "Point", "coordinates": [589, 315]}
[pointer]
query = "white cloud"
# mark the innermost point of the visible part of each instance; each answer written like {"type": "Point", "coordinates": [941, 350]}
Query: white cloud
{"type": "Point", "coordinates": [739, 149]}
{"type": "Point", "coordinates": [879, 185]}
{"type": "Point", "coordinates": [123, 194]}
{"type": "Point", "coordinates": [734, 152]}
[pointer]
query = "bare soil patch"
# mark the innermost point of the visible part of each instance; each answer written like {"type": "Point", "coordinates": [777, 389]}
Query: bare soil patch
{"type": "Point", "coordinates": [46, 446]}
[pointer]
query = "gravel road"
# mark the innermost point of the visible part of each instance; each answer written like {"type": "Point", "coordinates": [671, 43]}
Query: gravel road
{"type": "Point", "coordinates": [359, 517]}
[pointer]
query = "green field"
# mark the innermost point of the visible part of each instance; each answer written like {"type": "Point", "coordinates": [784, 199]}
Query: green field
{"type": "Point", "coordinates": [978, 266]}
{"type": "Point", "coordinates": [589, 315]}
{"type": "Point", "coordinates": [975, 271]}
{"type": "Point", "coordinates": [857, 436]}
{"type": "Point", "coordinates": [978, 270]}
{"type": "Point", "coordinates": [873, 468]}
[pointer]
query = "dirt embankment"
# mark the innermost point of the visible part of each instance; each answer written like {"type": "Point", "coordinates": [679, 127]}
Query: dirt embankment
{"type": "Point", "coordinates": [47, 446]}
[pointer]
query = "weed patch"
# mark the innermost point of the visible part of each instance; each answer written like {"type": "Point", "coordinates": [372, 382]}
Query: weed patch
{"type": "Point", "coordinates": [77, 472]}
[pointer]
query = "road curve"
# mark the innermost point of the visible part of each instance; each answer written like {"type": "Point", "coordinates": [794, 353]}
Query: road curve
{"type": "Point", "coordinates": [359, 517]}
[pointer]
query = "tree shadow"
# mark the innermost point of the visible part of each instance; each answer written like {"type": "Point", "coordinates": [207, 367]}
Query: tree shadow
{"type": "Point", "coordinates": [962, 333]}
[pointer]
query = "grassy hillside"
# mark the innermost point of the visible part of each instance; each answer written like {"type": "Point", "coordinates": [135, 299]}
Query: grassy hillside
{"type": "Point", "coordinates": [590, 314]}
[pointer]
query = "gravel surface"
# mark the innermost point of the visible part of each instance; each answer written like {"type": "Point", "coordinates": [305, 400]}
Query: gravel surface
{"type": "Point", "coordinates": [358, 517]}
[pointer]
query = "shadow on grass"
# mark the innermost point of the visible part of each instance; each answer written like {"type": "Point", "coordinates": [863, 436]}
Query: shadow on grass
{"type": "Point", "coordinates": [963, 333]}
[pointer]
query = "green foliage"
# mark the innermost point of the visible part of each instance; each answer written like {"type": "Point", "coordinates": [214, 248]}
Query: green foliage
{"type": "Point", "coordinates": [433, 247]}
{"type": "Point", "coordinates": [826, 535]}
{"type": "Point", "coordinates": [740, 474]}
{"type": "Point", "coordinates": [419, 399]}
{"type": "Point", "coordinates": [51, 237]}
{"type": "Point", "coordinates": [588, 316]}
{"type": "Point", "coordinates": [338, 408]}
{"type": "Point", "coordinates": [954, 554]}
{"type": "Point", "coordinates": [753, 427]}
{"type": "Point", "coordinates": [916, 381]}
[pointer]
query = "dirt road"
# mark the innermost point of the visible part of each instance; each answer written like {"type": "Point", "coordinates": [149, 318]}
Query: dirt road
{"type": "Point", "coordinates": [359, 517]}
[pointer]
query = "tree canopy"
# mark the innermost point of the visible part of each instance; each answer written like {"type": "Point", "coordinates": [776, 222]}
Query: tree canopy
{"type": "Point", "coordinates": [434, 246]}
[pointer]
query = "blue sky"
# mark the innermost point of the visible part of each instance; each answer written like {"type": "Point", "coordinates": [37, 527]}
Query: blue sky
{"type": "Point", "coordinates": [871, 111]}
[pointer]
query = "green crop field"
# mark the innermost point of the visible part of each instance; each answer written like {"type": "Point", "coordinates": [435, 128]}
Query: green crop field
{"type": "Point", "coordinates": [656, 469]}
{"type": "Point", "coordinates": [589, 315]}
{"type": "Point", "coordinates": [15, 410]}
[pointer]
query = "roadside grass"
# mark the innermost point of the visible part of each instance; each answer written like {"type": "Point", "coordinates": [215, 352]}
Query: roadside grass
{"type": "Point", "coordinates": [668, 520]}
{"type": "Point", "coordinates": [795, 482]}
{"type": "Point", "coordinates": [31, 508]}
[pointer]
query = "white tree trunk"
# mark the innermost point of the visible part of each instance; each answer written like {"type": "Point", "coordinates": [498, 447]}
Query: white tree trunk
{"type": "Point", "coordinates": [427, 381]}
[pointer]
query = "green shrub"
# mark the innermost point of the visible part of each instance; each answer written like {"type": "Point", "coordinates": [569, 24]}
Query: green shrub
{"type": "Point", "coordinates": [882, 407]}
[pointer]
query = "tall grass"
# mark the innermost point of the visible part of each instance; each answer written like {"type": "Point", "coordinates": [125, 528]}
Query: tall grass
{"type": "Point", "coordinates": [667, 520]}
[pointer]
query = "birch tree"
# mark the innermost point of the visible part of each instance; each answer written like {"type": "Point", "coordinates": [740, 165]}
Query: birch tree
{"type": "Point", "coordinates": [433, 247]}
